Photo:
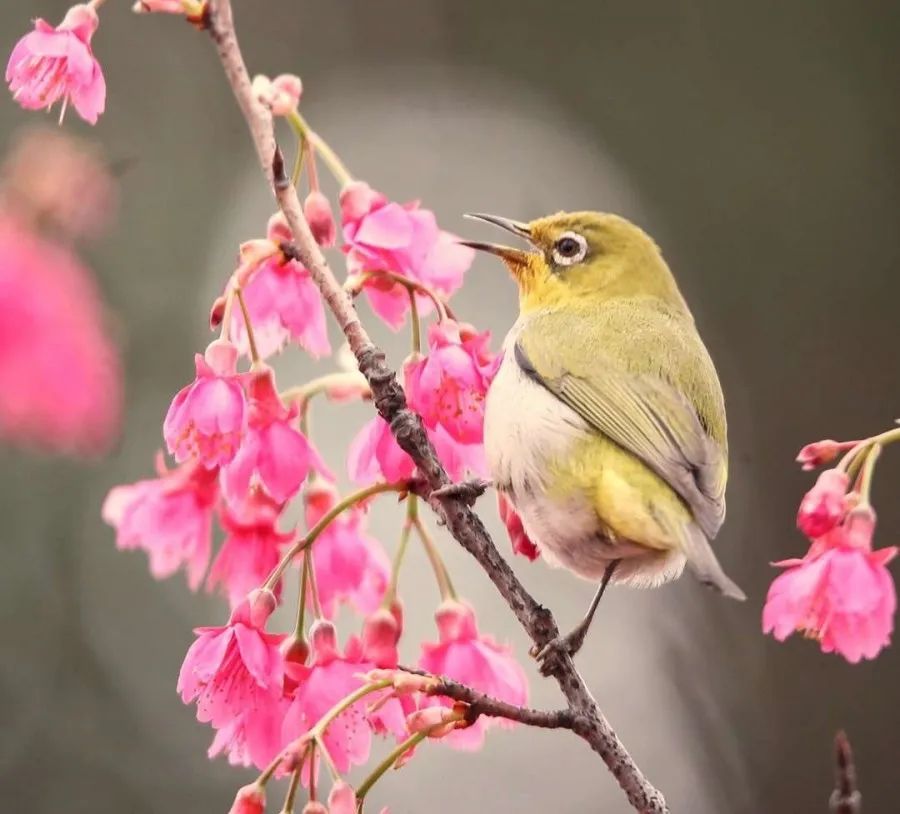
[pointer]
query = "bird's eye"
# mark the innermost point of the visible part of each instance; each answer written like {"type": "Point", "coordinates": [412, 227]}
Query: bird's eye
{"type": "Point", "coordinates": [569, 249]}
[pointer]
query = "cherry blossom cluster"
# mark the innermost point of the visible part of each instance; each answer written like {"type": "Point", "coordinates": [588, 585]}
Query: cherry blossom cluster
{"type": "Point", "coordinates": [841, 592]}
{"type": "Point", "coordinates": [238, 456]}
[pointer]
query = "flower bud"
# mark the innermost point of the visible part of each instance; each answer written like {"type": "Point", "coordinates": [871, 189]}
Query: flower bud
{"type": "Point", "coordinates": [321, 222]}
{"type": "Point", "coordinates": [314, 807]}
{"type": "Point", "coordinates": [323, 638]}
{"type": "Point", "coordinates": [380, 635]}
{"type": "Point", "coordinates": [295, 650]}
{"type": "Point", "coordinates": [217, 313]}
{"type": "Point", "coordinates": [249, 800]}
{"type": "Point", "coordinates": [356, 200]}
{"type": "Point", "coordinates": [823, 506]}
{"type": "Point", "coordinates": [820, 453]}
{"type": "Point", "coordinates": [342, 799]}
{"type": "Point", "coordinates": [438, 721]}
{"type": "Point", "coordinates": [281, 96]}
{"type": "Point", "coordinates": [262, 604]}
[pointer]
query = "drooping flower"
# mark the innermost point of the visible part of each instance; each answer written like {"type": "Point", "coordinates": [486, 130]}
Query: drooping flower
{"type": "Point", "coordinates": [251, 548]}
{"type": "Point", "coordinates": [374, 453]}
{"type": "Point", "coordinates": [329, 678]}
{"type": "Point", "coordinates": [233, 669]}
{"type": "Point", "coordinates": [381, 235]}
{"type": "Point", "coordinates": [52, 64]}
{"type": "Point", "coordinates": [449, 385]}
{"type": "Point", "coordinates": [824, 505]}
{"type": "Point", "coordinates": [521, 542]}
{"type": "Point", "coordinates": [350, 565]}
{"type": "Point", "coordinates": [169, 517]}
{"type": "Point", "coordinates": [840, 593]}
{"type": "Point", "coordinates": [208, 418]}
{"type": "Point", "coordinates": [253, 738]}
{"type": "Point", "coordinates": [273, 454]}
{"type": "Point", "coordinates": [283, 302]}
{"type": "Point", "coordinates": [473, 659]}
{"type": "Point", "coordinates": [249, 800]}
{"type": "Point", "coordinates": [381, 634]}
{"type": "Point", "coordinates": [60, 377]}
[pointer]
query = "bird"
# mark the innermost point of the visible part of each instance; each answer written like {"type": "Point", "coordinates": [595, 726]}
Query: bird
{"type": "Point", "coordinates": [605, 424]}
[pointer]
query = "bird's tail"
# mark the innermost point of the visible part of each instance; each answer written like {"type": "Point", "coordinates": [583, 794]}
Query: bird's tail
{"type": "Point", "coordinates": [703, 564]}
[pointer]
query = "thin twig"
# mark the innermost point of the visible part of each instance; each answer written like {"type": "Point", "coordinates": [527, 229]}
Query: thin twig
{"type": "Point", "coordinates": [589, 723]}
{"type": "Point", "coordinates": [846, 798]}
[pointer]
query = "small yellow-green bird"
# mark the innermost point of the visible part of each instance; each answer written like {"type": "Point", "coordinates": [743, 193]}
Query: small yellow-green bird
{"type": "Point", "coordinates": [605, 425]}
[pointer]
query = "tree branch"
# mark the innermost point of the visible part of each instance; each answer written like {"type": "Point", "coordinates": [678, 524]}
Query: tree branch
{"type": "Point", "coordinates": [588, 722]}
{"type": "Point", "coordinates": [845, 799]}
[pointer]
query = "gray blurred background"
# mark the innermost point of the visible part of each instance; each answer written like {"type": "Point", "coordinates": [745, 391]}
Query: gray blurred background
{"type": "Point", "coordinates": [756, 141]}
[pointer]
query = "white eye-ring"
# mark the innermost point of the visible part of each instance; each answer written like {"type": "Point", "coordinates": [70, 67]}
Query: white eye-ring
{"type": "Point", "coordinates": [569, 249]}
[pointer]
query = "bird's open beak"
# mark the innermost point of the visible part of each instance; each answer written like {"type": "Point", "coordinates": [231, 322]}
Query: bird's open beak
{"type": "Point", "coordinates": [513, 257]}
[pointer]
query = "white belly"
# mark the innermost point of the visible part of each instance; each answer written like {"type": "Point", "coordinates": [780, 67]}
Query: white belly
{"type": "Point", "coordinates": [526, 429]}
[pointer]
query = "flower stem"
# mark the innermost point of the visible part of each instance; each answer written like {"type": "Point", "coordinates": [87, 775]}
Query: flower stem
{"type": "Point", "coordinates": [321, 385]}
{"type": "Point", "coordinates": [95, 4]}
{"type": "Point", "coordinates": [326, 519]}
{"type": "Point", "coordinates": [329, 156]}
{"type": "Point", "coordinates": [298, 161]}
{"type": "Point", "coordinates": [314, 587]}
{"type": "Point", "coordinates": [377, 773]}
{"type": "Point", "coordinates": [390, 595]}
{"type": "Point", "coordinates": [248, 327]}
{"type": "Point", "coordinates": [851, 462]}
{"type": "Point", "coordinates": [416, 324]}
{"type": "Point", "coordinates": [299, 629]}
{"type": "Point", "coordinates": [288, 807]}
{"type": "Point", "coordinates": [344, 704]}
{"type": "Point", "coordinates": [441, 574]}
{"type": "Point", "coordinates": [864, 484]}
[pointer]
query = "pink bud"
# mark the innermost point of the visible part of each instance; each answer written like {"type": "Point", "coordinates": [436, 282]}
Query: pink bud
{"type": "Point", "coordinates": [262, 605]}
{"type": "Point", "coordinates": [323, 638]}
{"type": "Point", "coordinates": [356, 200]}
{"type": "Point", "coordinates": [342, 799]}
{"type": "Point", "coordinates": [380, 635]}
{"type": "Point", "coordinates": [321, 222]}
{"type": "Point", "coordinates": [823, 506]}
{"type": "Point", "coordinates": [280, 96]}
{"type": "Point", "coordinates": [295, 650]}
{"type": "Point", "coordinates": [221, 355]}
{"type": "Point", "coordinates": [348, 386]}
{"type": "Point", "coordinates": [314, 807]}
{"type": "Point", "coordinates": [521, 542]}
{"type": "Point", "coordinates": [217, 313]}
{"type": "Point", "coordinates": [249, 800]}
{"type": "Point", "coordinates": [278, 230]}
{"type": "Point", "coordinates": [819, 453]}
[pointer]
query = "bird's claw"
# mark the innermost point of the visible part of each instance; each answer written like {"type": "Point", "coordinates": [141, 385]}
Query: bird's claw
{"type": "Point", "coordinates": [468, 491]}
{"type": "Point", "coordinates": [551, 654]}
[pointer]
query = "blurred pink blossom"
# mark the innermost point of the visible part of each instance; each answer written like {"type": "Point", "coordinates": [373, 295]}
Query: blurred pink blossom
{"type": "Point", "coordinates": [249, 800]}
{"type": "Point", "coordinates": [341, 799]}
{"type": "Point", "coordinates": [169, 517]}
{"type": "Point", "coordinates": [321, 222]}
{"type": "Point", "coordinates": [52, 64]}
{"type": "Point", "coordinates": [521, 542]}
{"type": "Point", "coordinates": [473, 659]}
{"type": "Point", "coordinates": [208, 418]}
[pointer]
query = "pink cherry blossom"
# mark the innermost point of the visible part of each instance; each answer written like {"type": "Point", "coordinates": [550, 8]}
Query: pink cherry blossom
{"type": "Point", "coordinates": [350, 565]}
{"type": "Point", "coordinates": [449, 386]}
{"type": "Point", "coordinates": [251, 549]}
{"type": "Point", "coordinates": [473, 659]}
{"type": "Point", "coordinates": [232, 670]}
{"type": "Point", "coordinates": [403, 239]}
{"type": "Point", "coordinates": [169, 517]}
{"type": "Point", "coordinates": [273, 454]}
{"type": "Point", "coordinates": [329, 678]}
{"type": "Point", "coordinates": [840, 593]}
{"type": "Point", "coordinates": [52, 64]}
{"type": "Point", "coordinates": [381, 634]}
{"type": "Point", "coordinates": [252, 738]}
{"type": "Point", "coordinates": [208, 418]}
{"type": "Point", "coordinates": [60, 377]}
{"type": "Point", "coordinates": [321, 222]}
{"type": "Point", "coordinates": [284, 304]}
{"type": "Point", "coordinates": [374, 454]}
{"type": "Point", "coordinates": [823, 506]}
{"type": "Point", "coordinates": [521, 542]}
{"type": "Point", "coordinates": [249, 800]}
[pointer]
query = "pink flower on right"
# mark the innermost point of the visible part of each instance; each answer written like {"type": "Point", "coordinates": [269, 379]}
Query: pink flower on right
{"type": "Point", "coordinates": [840, 593]}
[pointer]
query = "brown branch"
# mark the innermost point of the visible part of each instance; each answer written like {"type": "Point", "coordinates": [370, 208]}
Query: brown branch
{"type": "Point", "coordinates": [481, 704]}
{"type": "Point", "coordinates": [846, 798]}
{"type": "Point", "coordinates": [589, 723]}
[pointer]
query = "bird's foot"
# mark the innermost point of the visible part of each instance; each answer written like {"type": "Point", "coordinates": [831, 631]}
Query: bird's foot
{"type": "Point", "coordinates": [549, 656]}
{"type": "Point", "coordinates": [468, 491]}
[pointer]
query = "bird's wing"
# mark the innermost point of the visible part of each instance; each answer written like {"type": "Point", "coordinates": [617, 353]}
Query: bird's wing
{"type": "Point", "coordinates": [631, 398]}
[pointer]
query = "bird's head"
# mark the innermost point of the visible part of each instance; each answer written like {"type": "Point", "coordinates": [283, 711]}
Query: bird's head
{"type": "Point", "coordinates": [581, 256]}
